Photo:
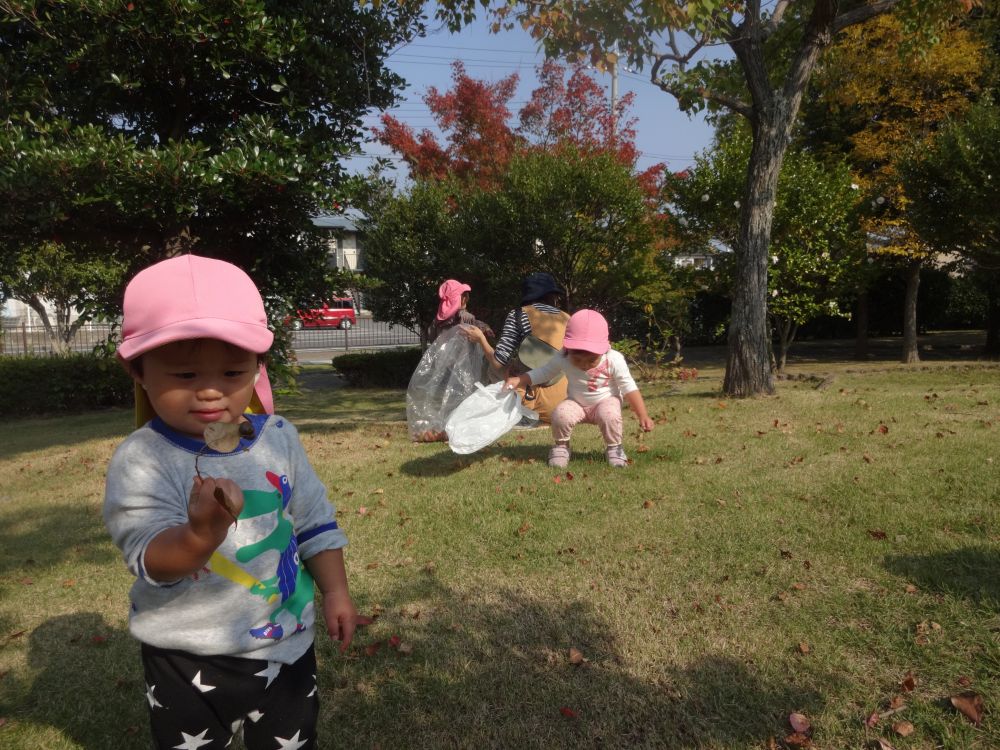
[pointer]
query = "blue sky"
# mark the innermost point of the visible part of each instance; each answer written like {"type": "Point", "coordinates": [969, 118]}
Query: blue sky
{"type": "Point", "coordinates": [663, 132]}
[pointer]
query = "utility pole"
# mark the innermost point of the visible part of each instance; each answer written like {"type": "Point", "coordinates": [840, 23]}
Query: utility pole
{"type": "Point", "coordinates": [613, 56]}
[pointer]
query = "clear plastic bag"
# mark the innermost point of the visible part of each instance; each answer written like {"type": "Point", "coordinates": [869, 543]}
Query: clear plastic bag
{"type": "Point", "coordinates": [484, 417]}
{"type": "Point", "coordinates": [447, 373]}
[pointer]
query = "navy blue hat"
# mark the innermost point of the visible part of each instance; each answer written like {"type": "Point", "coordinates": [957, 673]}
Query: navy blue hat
{"type": "Point", "coordinates": [537, 285]}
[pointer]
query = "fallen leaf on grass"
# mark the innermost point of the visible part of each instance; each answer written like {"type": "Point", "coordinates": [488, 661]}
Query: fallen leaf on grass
{"type": "Point", "coordinates": [524, 528]}
{"type": "Point", "coordinates": [872, 719]}
{"type": "Point", "coordinates": [648, 504]}
{"type": "Point", "coordinates": [372, 648]}
{"type": "Point", "coordinates": [576, 656]}
{"type": "Point", "coordinates": [883, 745]}
{"type": "Point", "coordinates": [903, 728]}
{"type": "Point", "coordinates": [897, 702]}
{"type": "Point", "coordinates": [970, 704]}
{"type": "Point", "coordinates": [642, 449]}
{"type": "Point", "coordinates": [798, 740]}
{"type": "Point", "coordinates": [804, 648]}
{"type": "Point", "coordinates": [908, 683]}
{"type": "Point", "coordinates": [799, 723]}
{"type": "Point", "coordinates": [568, 712]}
{"type": "Point", "coordinates": [405, 648]}
{"type": "Point", "coordinates": [877, 534]}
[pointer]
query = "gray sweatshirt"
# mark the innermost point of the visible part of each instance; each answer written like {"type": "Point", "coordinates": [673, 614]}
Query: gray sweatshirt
{"type": "Point", "coordinates": [254, 598]}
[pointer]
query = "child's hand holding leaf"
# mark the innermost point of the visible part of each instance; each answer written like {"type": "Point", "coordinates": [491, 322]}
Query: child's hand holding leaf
{"type": "Point", "coordinates": [209, 516]}
{"type": "Point", "coordinates": [223, 437]}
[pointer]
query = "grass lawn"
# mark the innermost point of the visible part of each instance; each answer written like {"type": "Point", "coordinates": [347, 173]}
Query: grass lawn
{"type": "Point", "coordinates": [829, 551]}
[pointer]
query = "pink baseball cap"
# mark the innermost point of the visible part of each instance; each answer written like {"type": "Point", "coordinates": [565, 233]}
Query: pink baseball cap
{"type": "Point", "coordinates": [450, 294]}
{"type": "Point", "coordinates": [191, 297]}
{"type": "Point", "coordinates": [587, 330]}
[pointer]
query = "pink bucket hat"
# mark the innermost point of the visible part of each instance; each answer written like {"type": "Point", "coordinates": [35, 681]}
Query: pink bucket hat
{"type": "Point", "coordinates": [450, 294]}
{"type": "Point", "coordinates": [587, 330]}
{"type": "Point", "coordinates": [191, 297]}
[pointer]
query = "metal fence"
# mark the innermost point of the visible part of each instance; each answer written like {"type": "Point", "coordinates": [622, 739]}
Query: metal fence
{"type": "Point", "coordinates": [21, 339]}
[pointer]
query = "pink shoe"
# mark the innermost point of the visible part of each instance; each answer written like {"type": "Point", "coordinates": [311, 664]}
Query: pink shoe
{"type": "Point", "coordinates": [559, 456]}
{"type": "Point", "coordinates": [616, 456]}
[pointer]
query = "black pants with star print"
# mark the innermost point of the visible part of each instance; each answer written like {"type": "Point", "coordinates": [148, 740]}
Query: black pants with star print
{"type": "Point", "coordinates": [200, 702]}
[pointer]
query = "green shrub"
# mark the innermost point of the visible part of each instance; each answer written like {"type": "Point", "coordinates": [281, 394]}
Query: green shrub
{"type": "Point", "coordinates": [49, 385]}
{"type": "Point", "coordinates": [390, 368]}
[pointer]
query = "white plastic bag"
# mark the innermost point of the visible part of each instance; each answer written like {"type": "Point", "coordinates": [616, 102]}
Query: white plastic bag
{"type": "Point", "coordinates": [485, 416]}
{"type": "Point", "coordinates": [447, 373]}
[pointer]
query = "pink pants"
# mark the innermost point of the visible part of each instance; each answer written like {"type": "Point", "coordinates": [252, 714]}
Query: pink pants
{"type": "Point", "coordinates": [607, 415]}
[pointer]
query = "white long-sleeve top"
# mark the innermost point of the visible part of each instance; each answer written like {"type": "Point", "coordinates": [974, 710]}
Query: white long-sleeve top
{"type": "Point", "coordinates": [610, 377]}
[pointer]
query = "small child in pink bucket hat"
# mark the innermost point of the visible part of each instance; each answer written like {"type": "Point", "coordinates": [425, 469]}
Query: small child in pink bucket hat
{"type": "Point", "coordinates": [448, 369]}
{"type": "Point", "coordinates": [227, 534]}
{"type": "Point", "coordinates": [598, 379]}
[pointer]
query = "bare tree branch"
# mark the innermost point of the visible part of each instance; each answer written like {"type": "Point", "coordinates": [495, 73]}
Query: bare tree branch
{"type": "Point", "coordinates": [862, 14]}
{"type": "Point", "coordinates": [731, 102]}
{"type": "Point", "coordinates": [772, 23]}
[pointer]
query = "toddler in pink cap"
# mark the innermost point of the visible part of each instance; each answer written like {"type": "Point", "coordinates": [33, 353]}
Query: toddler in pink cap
{"type": "Point", "coordinates": [226, 541]}
{"type": "Point", "coordinates": [598, 379]}
{"type": "Point", "coordinates": [448, 369]}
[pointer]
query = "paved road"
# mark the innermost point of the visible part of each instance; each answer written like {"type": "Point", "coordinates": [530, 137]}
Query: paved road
{"type": "Point", "coordinates": [321, 344]}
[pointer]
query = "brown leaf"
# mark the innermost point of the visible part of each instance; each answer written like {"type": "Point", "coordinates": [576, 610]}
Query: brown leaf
{"type": "Point", "coordinates": [576, 656]}
{"type": "Point", "coordinates": [883, 744]}
{"type": "Point", "coordinates": [883, 429]}
{"type": "Point", "coordinates": [799, 723]}
{"type": "Point", "coordinates": [970, 704]}
{"type": "Point", "coordinates": [648, 504]}
{"type": "Point", "coordinates": [524, 528]}
{"type": "Point", "coordinates": [642, 449]}
{"type": "Point", "coordinates": [405, 648]}
{"type": "Point", "coordinates": [897, 702]}
{"type": "Point", "coordinates": [372, 648]}
{"type": "Point", "coordinates": [872, 719]}
{"type": "Point", "coordinates": [804, 648]}
{"type": "Point", "coordinates": [867, 457]}
{"type": "Point", "coordinates": [799, 586]}
{"type": "Point", "coordinates": [908, 683]}
{"type": "Point", "coordinates": [798, 740]}
{"type": "Point", "coordinates": [568, 712]}
{"type": "Point", "coordinates": [222, 436]}
{"type": "Point", "coordinates": [877, 534]}
{"type": "Point", "coordinates": [903, 728]}
{"type": "Point", "coordinates": [964, 681]}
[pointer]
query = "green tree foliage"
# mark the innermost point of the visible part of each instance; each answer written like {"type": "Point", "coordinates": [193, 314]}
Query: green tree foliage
{"type": "Point", "coordinates": [777, 46]}
{"type": "Point", "coordinates": [582, 216]}
{"type": "Point", "coordinates": [815, 241]}
{"type": "Point", "coordinates": [954, 186]}
{"type": "Point", "coordinates": [133, 131]}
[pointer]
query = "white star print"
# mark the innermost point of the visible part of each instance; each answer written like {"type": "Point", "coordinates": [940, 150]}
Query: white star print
{"type": "Point", "coordinates": [200, 685]}
{"type": "Point", "coordinates": [313, 691]}
{"type": "Point", "coordinates": [153, 703]}
{"type": "Point", "coordinates": [234, 728]}
{"type": "Point", "coordinates": [193, 742]}
{"type": "Point", "coordinates": [255, 716]}
{"type": "Point", "coordinates": [272, 671]}
{"type": "Point", "coordinates": [292, 743]}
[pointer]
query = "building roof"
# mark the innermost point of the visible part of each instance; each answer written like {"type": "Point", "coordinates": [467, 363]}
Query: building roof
{"type": "Point", "coordinates": [346, 220]}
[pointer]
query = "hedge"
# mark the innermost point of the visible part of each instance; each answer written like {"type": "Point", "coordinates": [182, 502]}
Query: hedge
{"type": "Point", "coordinates": [71, 383]}
{"type": "Point", "coordinates": [390, 368]}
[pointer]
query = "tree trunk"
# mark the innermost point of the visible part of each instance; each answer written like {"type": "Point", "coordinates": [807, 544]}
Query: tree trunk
{"type": "Point", "coordinates": [910, 350]}
{"type": "Point", "coordinates": [786, 335]}
{"type": "Point", "coordinates": [748, 365]}
{"type": "Point", "coordinates": [861, 325]}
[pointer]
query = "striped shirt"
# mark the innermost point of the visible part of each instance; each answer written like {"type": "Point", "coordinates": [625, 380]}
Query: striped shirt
{"type": "Point", "coordinates": [514, 330]}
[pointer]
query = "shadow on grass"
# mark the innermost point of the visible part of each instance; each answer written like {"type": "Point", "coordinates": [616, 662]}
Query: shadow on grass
{"type": "Point", "coordinates": [971, 573]}
{"type": "Point", "coordinates": [444, 463]}
{"type": "Point", "coordinates": [51, 536]}
{"type": "Point", "coordinates": [490, 668]}
{"type": "Point", "coordinates": [87, 684]}
{"type": "Point", "coordinates": [40, 433]}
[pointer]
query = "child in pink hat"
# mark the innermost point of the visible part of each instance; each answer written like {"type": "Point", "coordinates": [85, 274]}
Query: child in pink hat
{"type": "Point", "coordinates": [226, 538]}
{"type": "Point", "coordinates": [598, 379]}
{"type": "Point", "coordinates": [449, 368]}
